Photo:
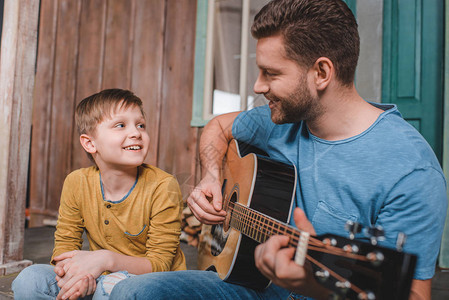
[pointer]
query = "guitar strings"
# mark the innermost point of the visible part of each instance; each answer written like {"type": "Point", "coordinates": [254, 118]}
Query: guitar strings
{"type": "Point", "coordinates": [336, 275]}
{"type": "Point", "coordinates": [254, 224]}
{"type": "Point", "coordinates": [260, 226]}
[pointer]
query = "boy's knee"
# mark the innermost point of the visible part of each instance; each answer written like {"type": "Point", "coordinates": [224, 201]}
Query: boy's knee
{"type": "Point", "coordinates": [25, 278]}
{"type": "Point", "coordinates": [121, 291]}
{"type": "Point", "coordinates": [34, 280]}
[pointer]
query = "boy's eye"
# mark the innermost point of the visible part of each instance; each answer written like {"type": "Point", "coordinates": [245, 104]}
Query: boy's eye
{"type": "Point", "coordinates": [120, 125]}
{"type": "Point", "coordinates": [141, 126]}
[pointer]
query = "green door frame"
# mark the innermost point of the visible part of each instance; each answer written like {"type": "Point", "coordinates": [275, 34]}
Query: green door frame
{"type": "Point", "coordinates": [444, 253]}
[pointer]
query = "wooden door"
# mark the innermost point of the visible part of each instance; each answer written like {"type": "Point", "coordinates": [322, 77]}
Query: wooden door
{"type": "Point", "coordinates": [413, 33]}
{"type": "Point", "coordinates": [85, 46]}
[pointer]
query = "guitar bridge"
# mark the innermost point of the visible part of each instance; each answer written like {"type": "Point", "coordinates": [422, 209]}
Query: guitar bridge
{"type": "Point", "coordinates": [301, 249]}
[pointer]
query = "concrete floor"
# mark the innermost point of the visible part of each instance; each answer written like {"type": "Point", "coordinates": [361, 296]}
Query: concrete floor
{"type": "Point", "coordinates": [39, 244]}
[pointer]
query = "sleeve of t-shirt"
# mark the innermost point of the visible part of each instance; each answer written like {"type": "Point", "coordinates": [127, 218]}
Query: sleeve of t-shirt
{"type": "Point", "coordinates": [165, 225]}
{"type": "Point", "coordinates": [70, 227]}
{"type": "Point", "coordinates": [417, 206]}
{"type": "Point", "coordinates": [253, 127]}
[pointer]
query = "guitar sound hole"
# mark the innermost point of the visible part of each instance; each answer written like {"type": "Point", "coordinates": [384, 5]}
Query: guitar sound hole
{"type": "Point", "coordinates": [220, 232]}
{"type": "Point", "coordinates": [229, 211]}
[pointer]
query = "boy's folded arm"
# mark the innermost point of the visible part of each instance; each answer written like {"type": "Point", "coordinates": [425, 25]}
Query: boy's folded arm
{"type": "Point", "coordinates": [70, 227]}
{"type": "Point", "coordinates": [96, 262]}
{"type": "Point", "coordinates": [134, 265]}
{"type": "Point", "coordinates": [66, 242]}
{"type": "Point", "coordinates": [165, 226]}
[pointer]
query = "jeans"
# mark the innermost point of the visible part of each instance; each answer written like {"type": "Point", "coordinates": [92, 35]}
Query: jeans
{"type": "Point", "coordinates": [39, 282]}
{"type": "Point", "coordinates": [189, 284]}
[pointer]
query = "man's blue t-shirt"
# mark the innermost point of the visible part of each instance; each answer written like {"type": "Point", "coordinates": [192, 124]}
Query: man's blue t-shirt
{"type": "Point", "coordinates": [388, 176]}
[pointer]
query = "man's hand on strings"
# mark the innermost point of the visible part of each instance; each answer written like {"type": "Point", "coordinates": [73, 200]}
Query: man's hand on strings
{"type": "Point", "coordinates": [205, 201]}
{"type": "Point", "coordinates": [274, 259]}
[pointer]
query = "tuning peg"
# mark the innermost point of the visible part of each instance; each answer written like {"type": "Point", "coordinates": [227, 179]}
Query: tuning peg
{"type": "Point", "coordinates": [322, 275]}
{"type": "Point", "coordinates": [351, 248]}
{"type": "Point", "coordinates": [400, 241]}
{"type": "Point", "coordinates": [330, 241]}
{"type": "Point", "coordinates": [344, 286]}
{"type": "Point", "coordinates": [375, 233]}
{"type": "Point", "coordinates": [368, 295]}
{"type": "Point", "coordinates": [353, 228]}
{"type": "Point", "coordinates": [375, 257]}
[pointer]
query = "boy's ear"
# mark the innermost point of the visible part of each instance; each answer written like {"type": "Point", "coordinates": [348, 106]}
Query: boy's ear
{"type": "Point", "coordinates": [324, 72]}
{"type": "Point", "coordinates": [87, 143]}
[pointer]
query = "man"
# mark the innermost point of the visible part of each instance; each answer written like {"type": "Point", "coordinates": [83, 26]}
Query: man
{"type": "Point", "coordinates": [355, 160]}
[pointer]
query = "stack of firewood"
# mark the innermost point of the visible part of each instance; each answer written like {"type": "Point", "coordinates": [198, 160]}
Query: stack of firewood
{"type": "Point", "coordinates": [191, 228]}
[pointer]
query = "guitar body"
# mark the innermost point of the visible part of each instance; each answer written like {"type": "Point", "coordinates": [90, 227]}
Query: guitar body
{"type": "Point", "coordinates": [258, 195]}
{"type": "Point", "coordinates": [260, 183]}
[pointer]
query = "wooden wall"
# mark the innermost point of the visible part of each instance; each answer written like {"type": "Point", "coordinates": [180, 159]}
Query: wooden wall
{"type": "Point", "coordinates": [17, 66]}
{"type": "Point", "coordinates": [146, 46]}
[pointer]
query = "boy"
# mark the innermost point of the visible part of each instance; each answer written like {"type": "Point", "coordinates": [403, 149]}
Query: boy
{"type": "Point", "coordinates": [129, 210]}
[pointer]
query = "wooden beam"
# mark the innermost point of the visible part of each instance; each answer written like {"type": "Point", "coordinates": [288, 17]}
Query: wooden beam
{"type": "Point", "coordinates": [17, 72]}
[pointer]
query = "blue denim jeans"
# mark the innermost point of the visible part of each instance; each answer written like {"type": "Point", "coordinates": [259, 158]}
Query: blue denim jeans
{"type": "Point", "coordinates": [189, 284]}
{"type": "Point", "coordinates": [38, 282]}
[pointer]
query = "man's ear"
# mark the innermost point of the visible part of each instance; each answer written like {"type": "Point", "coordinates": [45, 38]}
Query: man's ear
{"type": "Point", "coordinates": [324, 72]}
{"type": "Point", "coordinates": [87, 143]}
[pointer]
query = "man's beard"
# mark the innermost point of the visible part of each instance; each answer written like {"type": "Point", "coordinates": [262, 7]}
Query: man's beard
{"type": "Point", "coordinates": [298, 106]}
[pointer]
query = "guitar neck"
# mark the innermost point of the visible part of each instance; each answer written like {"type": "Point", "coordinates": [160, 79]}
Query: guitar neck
{"type": "Point", "coordinates": [260, 227]}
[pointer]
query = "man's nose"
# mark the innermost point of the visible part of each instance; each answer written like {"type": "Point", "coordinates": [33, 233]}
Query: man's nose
{"type": "Point", "coordinates": [261, 85]}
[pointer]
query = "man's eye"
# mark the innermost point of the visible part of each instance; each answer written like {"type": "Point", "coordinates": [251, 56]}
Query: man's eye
{"type": "Point", "coordinates": [267, 73]}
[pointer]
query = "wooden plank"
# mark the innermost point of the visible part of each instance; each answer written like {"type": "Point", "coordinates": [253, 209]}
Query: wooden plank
{"type": "Point", "coordinates": [90, 65]}
{"type": "Point", "coordinates": [177, 142]}
{"type": "Point", "coordinates": [198, 174]}
{"type": "Point", "coordinates": [64, 83]}
{"type": "Point", "coordinates": [17, 65]}
{"type": "Point", "coordinates": [118, 45]}
{"type": "Point", "coordinates": [40, 141]}
{"type": "Point", "coordinates": [147, 65]}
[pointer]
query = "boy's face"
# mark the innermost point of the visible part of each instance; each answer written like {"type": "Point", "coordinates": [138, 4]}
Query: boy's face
{"type": "Point", "coordinates": [121, 141]}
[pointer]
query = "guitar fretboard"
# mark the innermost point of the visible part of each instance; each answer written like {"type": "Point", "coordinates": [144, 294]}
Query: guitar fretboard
{"type": "Point", "coordinates": [260, 227]}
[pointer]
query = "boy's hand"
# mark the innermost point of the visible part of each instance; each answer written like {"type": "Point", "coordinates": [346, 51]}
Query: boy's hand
{"type": "Point", "coordinates": [59, 268]}
{"type": "Point", "coordinates": [77, 265]}
{"type": "Point", "coordinates": [199, 201]}
{"type": "Point", "coordinates": [85, 286]}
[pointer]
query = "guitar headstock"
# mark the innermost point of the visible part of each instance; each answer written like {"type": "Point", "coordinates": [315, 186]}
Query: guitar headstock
{"type": "Point", "coordinates": [360, 270]}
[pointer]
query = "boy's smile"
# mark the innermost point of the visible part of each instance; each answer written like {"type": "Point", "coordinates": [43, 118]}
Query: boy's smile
{"type": "Point", "coordinates": [121, 140]}
{"type": "Point", "coordinates": [133, 148]}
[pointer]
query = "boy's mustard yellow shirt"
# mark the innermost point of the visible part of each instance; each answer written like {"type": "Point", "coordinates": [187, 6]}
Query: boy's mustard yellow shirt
{"type": "Point", "coordinates": [147, 223]}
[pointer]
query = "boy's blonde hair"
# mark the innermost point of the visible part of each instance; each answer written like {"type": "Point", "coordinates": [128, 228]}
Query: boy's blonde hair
{"type": "Point", "coordinates": [92, 110]}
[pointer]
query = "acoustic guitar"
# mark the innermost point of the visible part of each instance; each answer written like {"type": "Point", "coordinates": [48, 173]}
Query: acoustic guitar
{"type": "Point", "coordinates": [258, 194]}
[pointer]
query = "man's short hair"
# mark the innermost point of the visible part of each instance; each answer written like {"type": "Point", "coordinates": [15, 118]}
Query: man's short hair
{"type": "Point", "coordinates": [312, 29]}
